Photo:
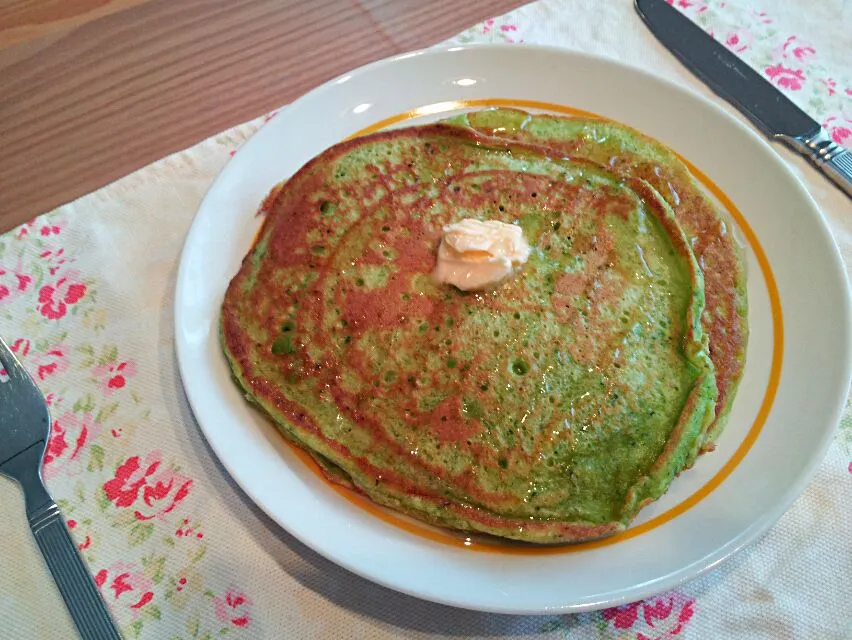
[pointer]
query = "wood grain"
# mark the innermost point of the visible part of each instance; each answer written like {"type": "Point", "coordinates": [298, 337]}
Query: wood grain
{"type": "Point", "coordinates": [25, 20]}
{"type": "Point", "coordinates": [113, 85]}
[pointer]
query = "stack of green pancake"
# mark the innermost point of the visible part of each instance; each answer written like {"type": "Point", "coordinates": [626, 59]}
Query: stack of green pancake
{"type": "Point", "coordinates": [549, 408]}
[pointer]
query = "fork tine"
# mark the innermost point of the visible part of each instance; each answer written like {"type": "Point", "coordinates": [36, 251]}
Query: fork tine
{"type": "Point", "coordinates": [24, 414]}
{"type": "Point", "coordinates": [4, 351]}
{"type": "Point", "coordinates": [14, 369]}
{"type": "Point", "coordinates": [7, 358]}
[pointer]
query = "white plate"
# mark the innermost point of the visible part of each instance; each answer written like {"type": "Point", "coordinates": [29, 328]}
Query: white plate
{"type": "Point", "coordinates": [800, 348]}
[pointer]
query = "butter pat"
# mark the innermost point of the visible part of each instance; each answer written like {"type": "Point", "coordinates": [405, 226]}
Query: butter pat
{"type": "Point", "coordinates": [476, 255]}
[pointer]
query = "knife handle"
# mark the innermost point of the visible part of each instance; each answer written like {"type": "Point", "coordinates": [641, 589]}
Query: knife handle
{"type": "Point", "coordinates": [73, 579]}
{"type": "Point", "coordinates": [839, 169]}
{"type": "Point", "coordinates": [825, 153]}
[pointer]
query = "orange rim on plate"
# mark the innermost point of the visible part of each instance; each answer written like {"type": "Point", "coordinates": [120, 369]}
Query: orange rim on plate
{"type": "Point", "coordinates": [457, 539]}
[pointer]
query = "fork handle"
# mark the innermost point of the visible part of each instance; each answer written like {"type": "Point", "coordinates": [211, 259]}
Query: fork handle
{"type": "Point", "coordinates": [73, 579]}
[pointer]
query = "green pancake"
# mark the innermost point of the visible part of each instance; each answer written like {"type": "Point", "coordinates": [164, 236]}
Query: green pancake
{"type": "Point", "coordinates": [549, 409]}
{"type": "Point", "coordinates": [630, 154]}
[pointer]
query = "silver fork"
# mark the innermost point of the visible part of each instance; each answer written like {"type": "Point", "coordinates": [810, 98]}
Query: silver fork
{"type": "Point", "coordinates": [24, 432]}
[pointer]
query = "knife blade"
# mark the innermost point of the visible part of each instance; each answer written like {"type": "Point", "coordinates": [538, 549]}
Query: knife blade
{"type": "Point", "coordinates": [755, 97]}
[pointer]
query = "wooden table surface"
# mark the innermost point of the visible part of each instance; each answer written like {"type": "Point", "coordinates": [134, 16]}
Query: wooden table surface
{"type": "Point", "coordinates": [91, 90]}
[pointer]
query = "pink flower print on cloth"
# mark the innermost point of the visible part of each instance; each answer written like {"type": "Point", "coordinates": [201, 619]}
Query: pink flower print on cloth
{"type": "Point", "coordinates": [53, 260]}
{"type": "Point", "coordinates": [87, 541]}
{"type": "Point", "coordinates": [55, 299]}
{"type": "Point", "coordinates": [71, 434]}
{"type": "Point", "coordinates": [126, 586]}
{"type": "Point", "coordinates": [661, 618]}
{"type": "Point", "coordinates": [49, 229]}
{"type": "Point", "coordinates": [21, 348]}
{"type": "Point", "coordinates": [786, 78]}
{"type": "Point", "coordinates": [50, 363]}
{"type": "Point", "coordinates": [830, 85]}
{"type": "Point", "coordinates": [233, 607]}
{"type": "Point", "coordinates": [698, 6]}
{"type": "Point", "coordinates": [795, 50]}
{"type": "Point", "coordinates": [13, 283]}
{"type": "Point", "coordinates": [149, 487]}
{"type": "Point", "coordinates": [24, 230]}
{"type": "Point", "coordinates": [840, 130]}
{"type": "Point", "coordinates": [42, 365]}
{"type": "Point", "coordinates": [740, 40]}
{"type": "Point", "coordinates": [112, 376]}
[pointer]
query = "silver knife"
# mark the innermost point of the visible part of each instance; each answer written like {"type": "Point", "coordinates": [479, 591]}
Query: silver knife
{"type": "Point", "coordinates": [732, 79]}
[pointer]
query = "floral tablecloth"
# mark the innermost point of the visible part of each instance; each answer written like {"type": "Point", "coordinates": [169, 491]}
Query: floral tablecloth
{"type": "Point", "coordinates": [178, 551]}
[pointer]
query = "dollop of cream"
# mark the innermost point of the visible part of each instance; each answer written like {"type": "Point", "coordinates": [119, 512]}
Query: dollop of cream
{"type": "Point", "coordinates": [475, 255]}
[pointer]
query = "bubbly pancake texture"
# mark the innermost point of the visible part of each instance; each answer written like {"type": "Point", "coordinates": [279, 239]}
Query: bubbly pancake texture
{"type": "Point", "coordinates": [627, 153]}
{"type": "Point", "coordinates": [550, 409]}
